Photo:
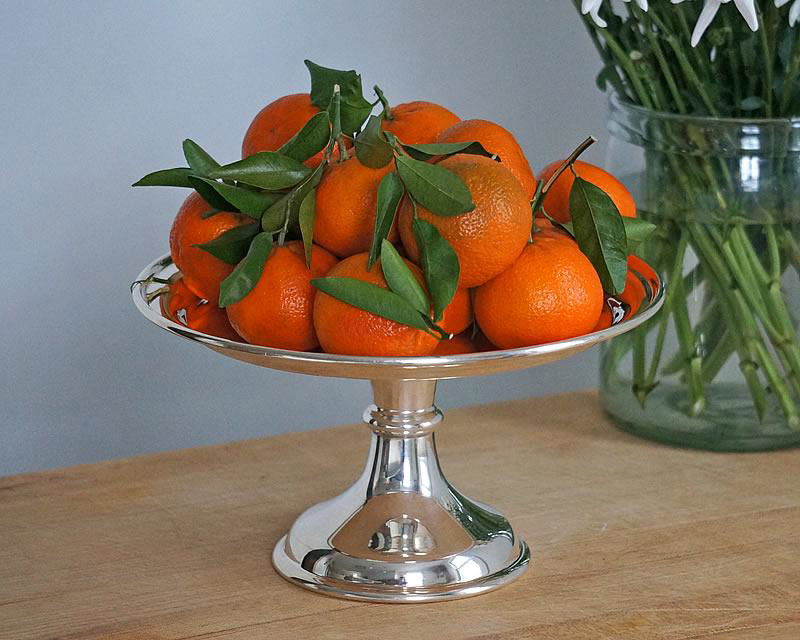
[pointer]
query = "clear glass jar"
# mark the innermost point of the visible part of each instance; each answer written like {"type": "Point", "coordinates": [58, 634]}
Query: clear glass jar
{"type": "Point", "coordinates": [719, 367]}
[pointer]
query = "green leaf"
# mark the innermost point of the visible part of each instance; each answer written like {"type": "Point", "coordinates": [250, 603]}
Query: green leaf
{"type": "Point", "coordinates": [274, 218]}
{"type": "Point", "coordinates": [390, 192]}
{"type": "Point", "coordinates": [751, 103]}
{"type": "Point", "coordinates": [372, 148]}
{"type": "Point", "coordinates": [210, 195]}
{"type": "Point", "coordinates": [286, 211]}
{"type": "Point", "coordinates": [637, 231]}
{"type": "Point", "coordinates": [199, 160]}
{"type": "Point", "coordinates": [425, 151]}
{"type": "Point", "coordinates": [401, 280]}
{"type": "Point", "coordinates": [251, 203]}
{"type": "Point", "coordinates": [232, 245]}
{"type": "Point", "coordinates": [201, 163]}
{"type": "Point", "coordinates": [437, 189]}
{"type": "Point", "coordinates": [600, 233]}
{"type": "Point", "coordinates": [439, 264]}
{"type": "Point", "coordinates": [563, 226]}
{"type": "Point", "coordinates": [370, 297]}
{"type": "Point", "coordinates": [306, 221]}
{"type": "Point", "coordinates": [355, 108]}
{"type": "Point", "coordinates": [311, 139]}
{"type": "Point", "coordinates": [268, 170]}
{"type": "Point", "coordinates": [247, 273]}
{"type": "Point", "coordinates": [178, 177]}
{"type": "Point", "coordinates": [323, 80]}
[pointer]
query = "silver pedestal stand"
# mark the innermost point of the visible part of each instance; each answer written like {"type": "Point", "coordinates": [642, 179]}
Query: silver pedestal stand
{"type": "Point", "coordinates": [401, 533]}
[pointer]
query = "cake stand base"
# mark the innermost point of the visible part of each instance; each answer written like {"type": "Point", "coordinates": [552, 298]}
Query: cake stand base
{"type": "Point", "coordinates": [401, 533]}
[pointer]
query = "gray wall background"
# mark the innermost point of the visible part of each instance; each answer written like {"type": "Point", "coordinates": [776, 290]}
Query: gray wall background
{"type": "Point", "coordinates": [95, 94]}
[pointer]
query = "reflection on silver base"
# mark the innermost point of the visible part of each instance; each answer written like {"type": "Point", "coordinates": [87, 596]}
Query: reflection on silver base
{"type": "Point", "coordinates": [290, 569]}
{"type": "Point", "coordinates": [401, 533]}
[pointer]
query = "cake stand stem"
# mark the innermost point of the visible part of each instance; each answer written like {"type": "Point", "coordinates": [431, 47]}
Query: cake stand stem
{"type": "Point", "coordinates": [401, 533]}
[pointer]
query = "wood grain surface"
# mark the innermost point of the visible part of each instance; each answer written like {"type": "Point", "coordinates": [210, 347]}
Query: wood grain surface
{"type": "Point", "coordinates": [630, 539]}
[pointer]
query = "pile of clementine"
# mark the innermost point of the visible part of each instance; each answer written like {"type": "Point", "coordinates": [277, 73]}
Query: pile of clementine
{"type": "Point", "coordinates": [406, 232]}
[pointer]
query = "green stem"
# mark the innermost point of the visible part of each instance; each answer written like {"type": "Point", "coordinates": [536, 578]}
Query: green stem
{"type": "Point", "coordinates": [627, 65]}
{"type": "Point", "coordinates": [666, 68]}
{"type": "Point", "coordinates": [789, 81]}
{"type": "Point", "coordinates": [675, 274]}
{"type": "Point", "coordinates": [718, 356]}
{"type": "Point", "coordinates": [764, 293]}
{"type": "Point", "coordinates": [639, 348]}
{"type": "Point", "coordinates": [691, 75]}
{"type": "Point", "coordinates": [387, 112]}
{"type": "Point", "coordinates": [766, 53]}
{"type": "Point", "coordinates": [745, 332]}
{"type": "Point", "coordinates": [692, 356]}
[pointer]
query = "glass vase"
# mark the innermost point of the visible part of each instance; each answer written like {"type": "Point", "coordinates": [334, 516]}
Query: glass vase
{"type": "Point", "coordinates": [719, 367]}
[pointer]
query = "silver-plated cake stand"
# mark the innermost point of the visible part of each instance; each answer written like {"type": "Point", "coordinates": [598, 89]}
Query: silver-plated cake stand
{"type": "Point", "coordinates": [401, 533]}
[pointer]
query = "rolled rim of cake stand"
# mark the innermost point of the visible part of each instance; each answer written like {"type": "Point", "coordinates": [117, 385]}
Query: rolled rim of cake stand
{"type": "Point", "coordinates": [376, 368]}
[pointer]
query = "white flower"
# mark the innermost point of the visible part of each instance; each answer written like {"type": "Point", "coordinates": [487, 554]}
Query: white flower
{"type": "Point", "coordinates": [794, 12]}
{"type": "Point", "coordinates": [592, 7]}
{"type": "Point", "coordinates": [746, 7]}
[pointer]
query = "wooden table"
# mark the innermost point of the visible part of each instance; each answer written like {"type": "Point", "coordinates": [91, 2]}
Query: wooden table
{"type": "Point", "coordinates": [630, 539]}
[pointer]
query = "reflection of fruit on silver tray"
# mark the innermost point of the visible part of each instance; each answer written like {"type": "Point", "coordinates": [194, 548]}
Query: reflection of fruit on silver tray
{"type": "Point", "coordinates": [401, 533]}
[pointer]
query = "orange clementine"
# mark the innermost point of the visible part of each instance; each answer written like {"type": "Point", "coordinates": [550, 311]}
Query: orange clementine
{"type": "Point", "coordinates": [276, 123]}
{"type": "Point", "coordinates": [277, 311]}
{"type": "Point", "coordinates": [457, 315]}
{"type": "Point", "coordinates": [556, 202]}
{"type": "Point", "coordinates": [458, 344]}
{"type": "Point", "coordinates": [343, 328]}
{"type": "Point", "coordinates": [496, 140]}
{"type": "Point", "coordinates": [418, 122]}
{"type": "Point", "coordinates": [491, 236]}
{"type": "Point", "coordinates": [551, 293]}
{"type": "Point", "coordinates": [482, 343]}
{"type": "Point", "coordinates": [202, 272]}
{"type": "Point", "coordinates": [606, 317]}
{"type": "Point", "coordinates": [185, 307]}
{"type": "Point", "coordinates": [543, 224]}
{"type": "Point", "coordinates": [631, 297]}
{"type": "Point", "coordinates": [345, 207]}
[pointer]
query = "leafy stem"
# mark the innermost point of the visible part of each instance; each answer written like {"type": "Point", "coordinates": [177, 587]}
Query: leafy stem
{"type": "Point", "coordinates": [386, 114]}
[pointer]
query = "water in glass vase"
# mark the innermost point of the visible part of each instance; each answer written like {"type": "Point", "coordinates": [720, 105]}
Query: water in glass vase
{"type": "Point", "coordinates": [719, 367]}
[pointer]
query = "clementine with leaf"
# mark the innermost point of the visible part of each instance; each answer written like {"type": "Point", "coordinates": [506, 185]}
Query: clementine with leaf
{"type": "Point", "coordinates": [192, 311]}
{"type": "Point", "coordinates": [550, 293]}
{"type": "Point", "coordinates": [556, 202]}
{"type": "Point", "coordinates": [202, 271]}
{"type": "Point", "coordinates": [418, 122]}
{"type": "Point", "coordinates": [277, 122]}
{"type": "Point", "coordinates": [345, 207]}
{"type": "Point", "coordinates": [497, 140]}
{"type": "Point", "coordinates": [490, 237]}
{"type": "Point", "coordinates": [277, 312]}
{"type": "Point", "coordinates": [347, 329]}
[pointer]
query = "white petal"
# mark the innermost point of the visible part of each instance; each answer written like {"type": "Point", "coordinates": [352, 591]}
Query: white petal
{"type": "Point", "coordinates": [780, 3]}
{"type": "Point", "coordinates": [597, 19]}
{"type": "Point", "coordinates": [589, 5]}
{"type": "Point", "coordinates": [706, 16]}
{"type": "Point", "coordinates": [642, 4]}
{"type": "Point", "coordinates": [748, 10]}
{"type": "Point", "coordinates": [794, 13]}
